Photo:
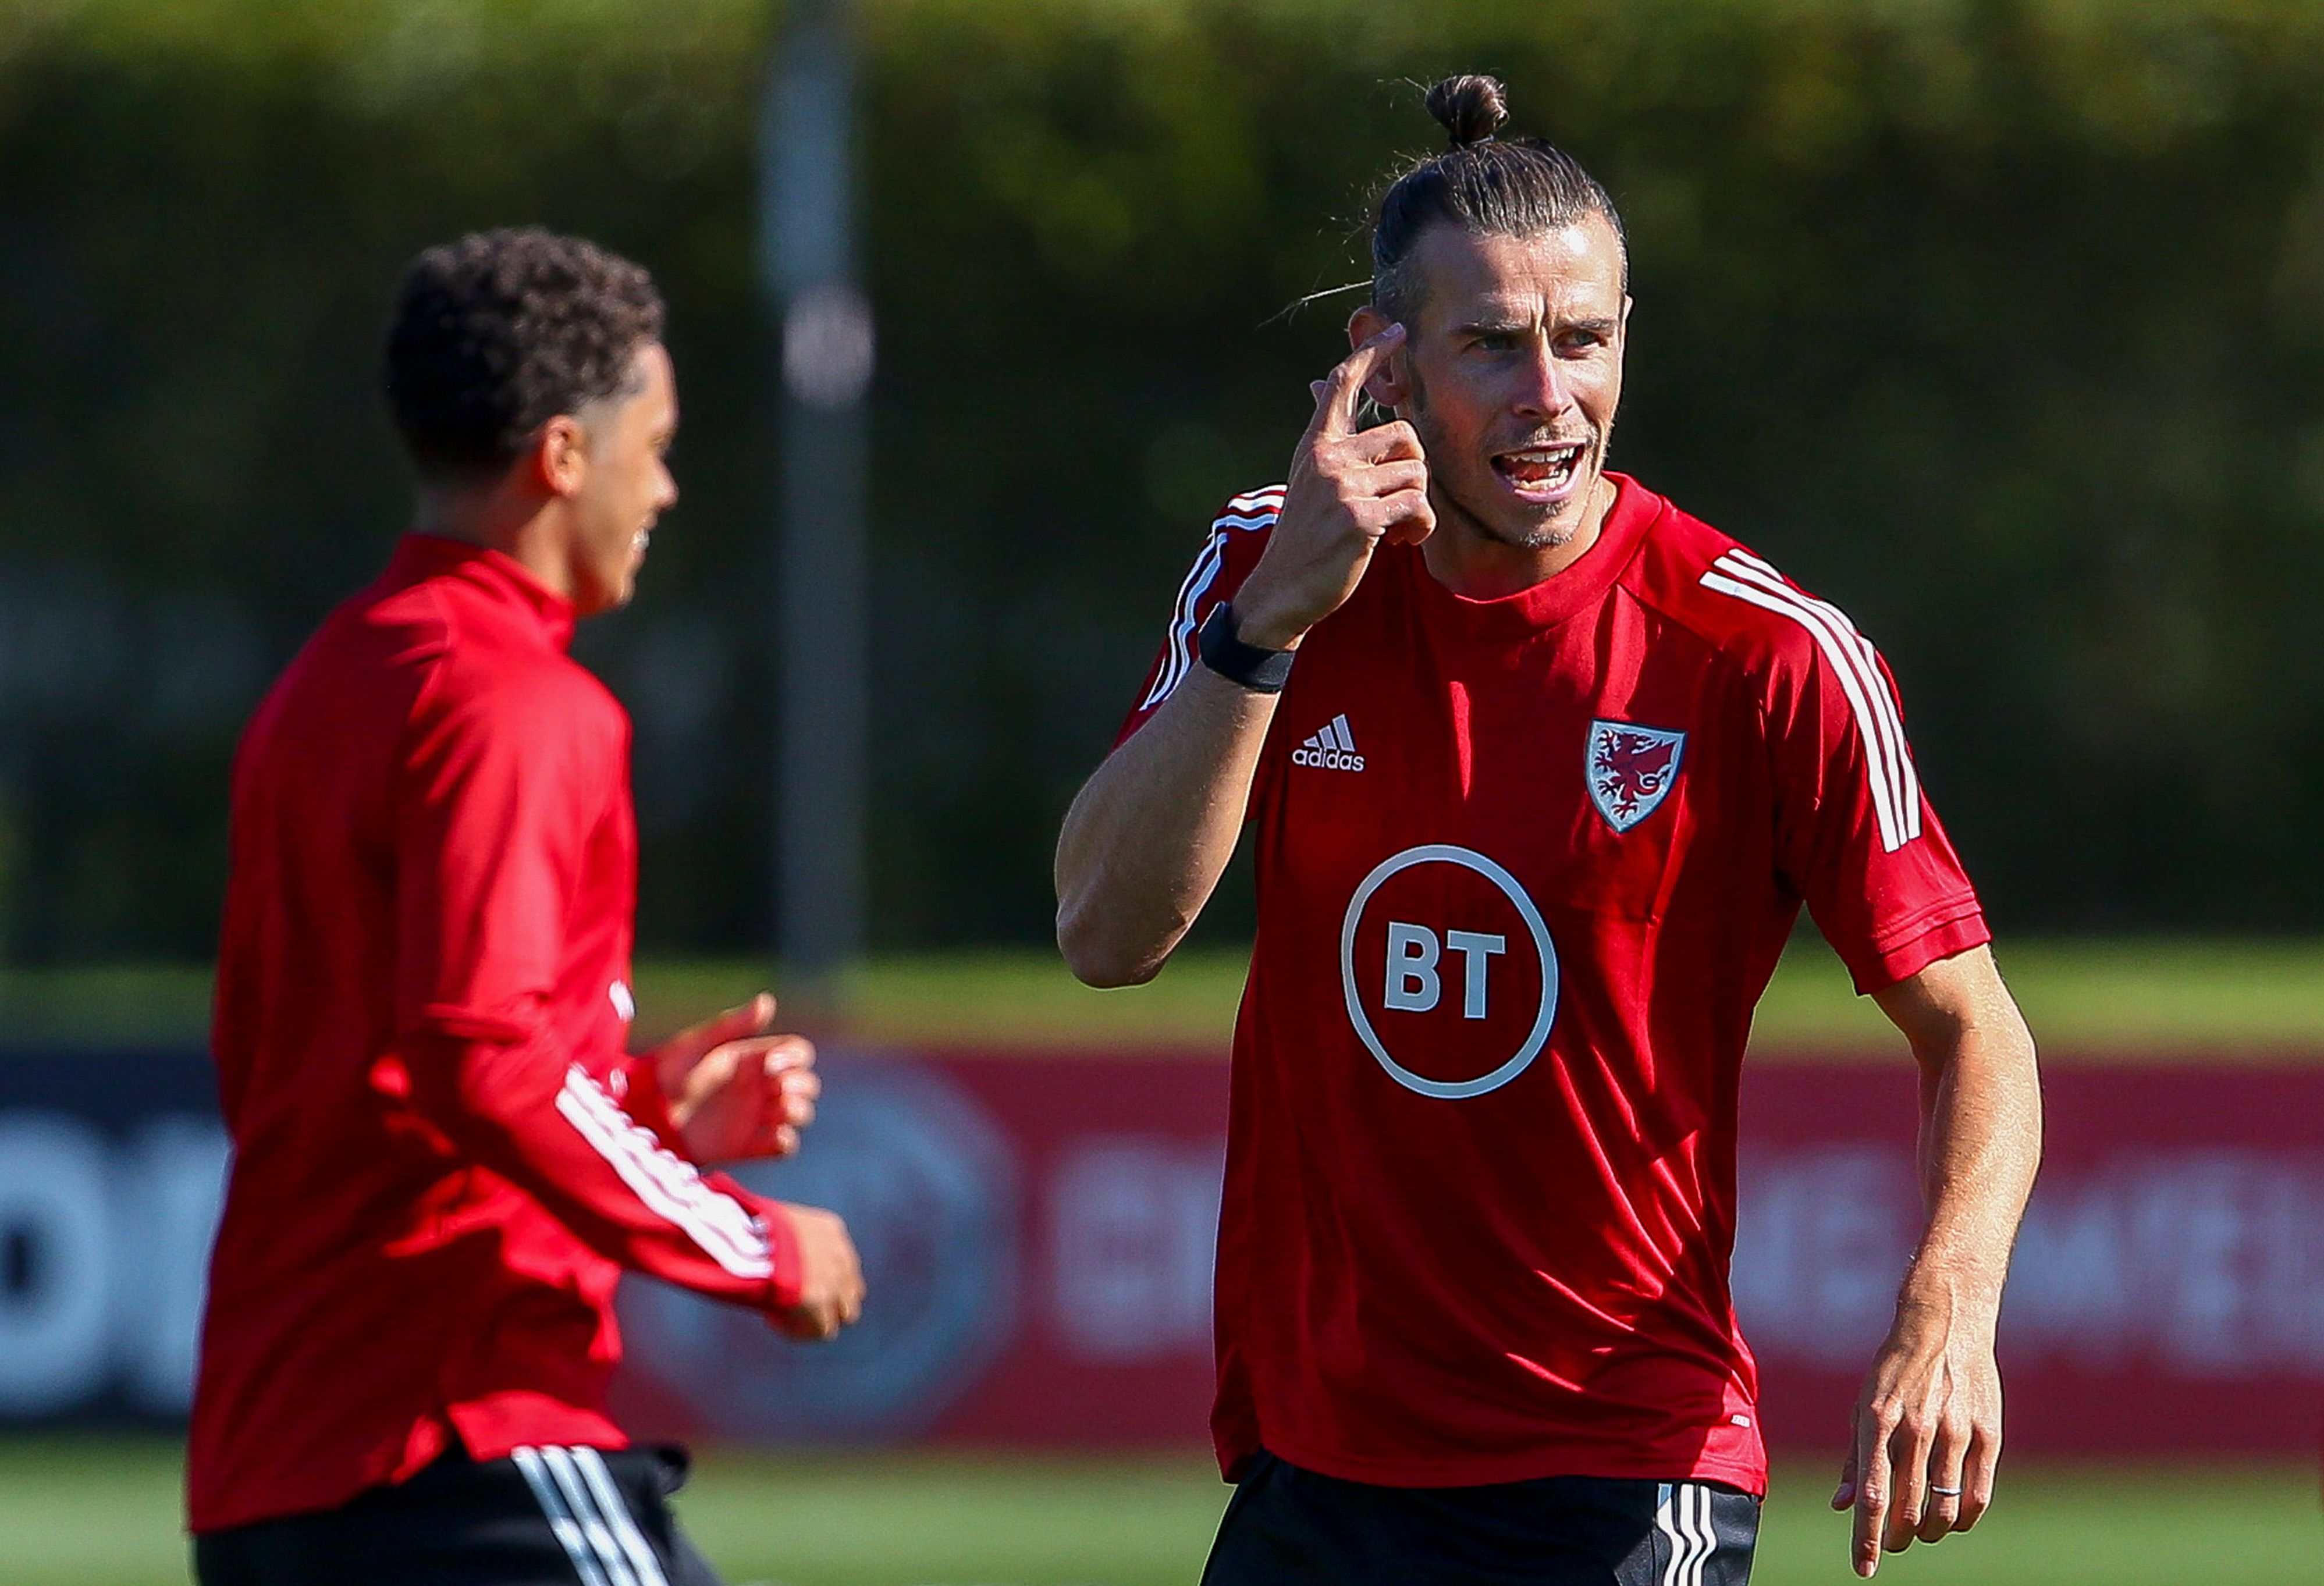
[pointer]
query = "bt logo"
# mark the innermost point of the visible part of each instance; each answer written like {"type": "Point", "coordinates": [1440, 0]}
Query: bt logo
{"type": "Point", "coordinates": [1414, 984]}
{"type": "Point", "coordinates": [1413, 968]}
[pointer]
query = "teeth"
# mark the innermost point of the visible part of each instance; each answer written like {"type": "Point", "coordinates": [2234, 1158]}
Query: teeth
{"type": "Point", "coordinates": [1544, 466]}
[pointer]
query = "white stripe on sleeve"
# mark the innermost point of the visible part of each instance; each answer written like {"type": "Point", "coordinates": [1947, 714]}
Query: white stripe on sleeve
{"type": "Point", "coordinates": [1256, 510]}
{"type": "Point", "coordinates": [1891, 718]}
{"type": "Point", "coordinates": [670, 1187]}
{"type": "Point", "coordinates": [1894, 786]}
{"type": "Point", "coordinates": [1178, 649]}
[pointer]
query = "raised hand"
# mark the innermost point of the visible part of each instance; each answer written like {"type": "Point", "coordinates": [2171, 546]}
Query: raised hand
{"type": "Point", "coordinates": [831, 1286]}
{"type": "Point", "coordinates": [735, 1091]}
{"type": "Point", "coordinates": [1349, 489]}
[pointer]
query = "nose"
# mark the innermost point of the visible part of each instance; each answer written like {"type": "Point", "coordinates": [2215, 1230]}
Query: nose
{"type": "Point", "coordinates": [1543, 388]}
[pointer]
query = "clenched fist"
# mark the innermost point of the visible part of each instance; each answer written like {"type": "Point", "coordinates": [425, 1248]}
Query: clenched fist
{"type": "Point", "coordinates": [831, 1278]}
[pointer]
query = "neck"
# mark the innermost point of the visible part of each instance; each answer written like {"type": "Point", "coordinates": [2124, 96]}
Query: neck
{"type": "Point", "coordinates": [499, 517]}
{"type": "Point", "coordinates": [1469, 562]}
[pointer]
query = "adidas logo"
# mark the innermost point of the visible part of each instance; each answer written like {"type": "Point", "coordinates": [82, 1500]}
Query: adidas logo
{"type": "Point", "coordinates": [1331, 750]}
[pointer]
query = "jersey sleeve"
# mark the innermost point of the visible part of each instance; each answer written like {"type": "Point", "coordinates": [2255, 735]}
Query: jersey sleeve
{"type": "Point", "coordinates": [1856, 837]}
{"type": "Point", "coordinates": [499, 798]}
{"type": "Point", "coordinates": [1237, 537]}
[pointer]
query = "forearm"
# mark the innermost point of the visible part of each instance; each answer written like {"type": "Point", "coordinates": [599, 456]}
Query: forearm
{"type": "Point", "coordinates": [1148, 839]}
{"type": "Point", "coordinates": [1928, 1429]}
{"type": "Point", "coordinates": [1145, 841]}
{"type": "Point", "coordinates": [1980, 1143]}
{"type": "Point", "coordinates": [516, 1105]}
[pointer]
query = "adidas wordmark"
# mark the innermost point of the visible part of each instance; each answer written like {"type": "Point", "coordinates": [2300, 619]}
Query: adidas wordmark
{"type": "Point", "coordinates": [1332, 749]}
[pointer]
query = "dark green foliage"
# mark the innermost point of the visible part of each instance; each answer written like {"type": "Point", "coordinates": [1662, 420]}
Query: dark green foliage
{"type": "Point", "coordinates": [2002, 325]}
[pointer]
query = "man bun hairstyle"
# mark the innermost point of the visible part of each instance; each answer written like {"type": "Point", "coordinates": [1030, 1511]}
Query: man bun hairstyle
{"type": "Point", "coordinates": [497, 333]}
{"type": "Point", "coordinates": [1471, 109]}
{"type": "Point", "coordinates": [1482, 183]}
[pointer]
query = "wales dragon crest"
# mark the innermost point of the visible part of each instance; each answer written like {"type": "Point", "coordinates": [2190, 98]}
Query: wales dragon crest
{"type": "Point", "coordinates": [1631, 769]}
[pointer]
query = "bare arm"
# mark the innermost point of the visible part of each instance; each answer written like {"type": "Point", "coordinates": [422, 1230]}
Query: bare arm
{"type": "Point", "coordinates": [1149, 834]}
{"type": "Point", "coordinates": [1928, 1428]}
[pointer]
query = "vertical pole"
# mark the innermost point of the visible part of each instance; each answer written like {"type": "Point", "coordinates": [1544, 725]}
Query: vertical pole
{"type": "Point", "coordinates": [808, 256]}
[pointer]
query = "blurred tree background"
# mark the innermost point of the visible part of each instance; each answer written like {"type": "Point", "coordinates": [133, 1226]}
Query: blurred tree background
{"type": "Point", "coordinates": [1999, 322]}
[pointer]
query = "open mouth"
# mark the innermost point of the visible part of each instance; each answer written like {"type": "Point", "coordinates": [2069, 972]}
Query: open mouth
{"type": "Point", "coordinates": [1543, 473]}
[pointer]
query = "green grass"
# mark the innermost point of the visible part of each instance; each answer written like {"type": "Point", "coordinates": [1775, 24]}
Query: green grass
{"type": "Point", "coordinates": [2139, 998]}
{"type": "Point", "coordinates": [933, 1521]}
{"type": "Point", "coordinates": [92, 1512]}
{"type": "Point", "coordinates": [2146, 997]}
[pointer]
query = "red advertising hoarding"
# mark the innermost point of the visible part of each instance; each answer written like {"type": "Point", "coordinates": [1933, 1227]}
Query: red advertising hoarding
{"type": "Point", "coordinates": [2167, 1296]}
{"type": "Point", "coordinates": [1038, 1233]}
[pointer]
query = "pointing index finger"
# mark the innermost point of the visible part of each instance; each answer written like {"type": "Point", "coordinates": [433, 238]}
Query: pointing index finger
{"type": "Point", "coordinates": [1335, 399]}
{"type": "Point", "coordinates": [1873, 1497]}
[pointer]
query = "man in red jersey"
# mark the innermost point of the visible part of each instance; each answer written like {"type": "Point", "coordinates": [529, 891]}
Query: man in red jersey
{"type": "Point", "coordinates": [444, 1157]}
{"type": "Point", "coordinates": [1541, 770]}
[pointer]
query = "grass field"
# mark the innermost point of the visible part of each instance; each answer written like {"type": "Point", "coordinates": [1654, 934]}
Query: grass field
{"type": "Point", "coordinates": [104, 1513]}
{"type": "Point", "coordinates": [2151, 998]}
{"type": "Point", "coordinates": [2136, 997]}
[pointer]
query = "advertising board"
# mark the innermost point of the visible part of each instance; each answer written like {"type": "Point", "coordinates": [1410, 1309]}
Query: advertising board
{"type": "Point", "coordinates": [1036, 1230]}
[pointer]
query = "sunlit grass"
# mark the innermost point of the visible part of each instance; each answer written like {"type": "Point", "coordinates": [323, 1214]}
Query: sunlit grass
{"type": "Point", "coordinates": [2143, 998]}
{"type": "Point", "coordinates": [2152, 998]}
{"type": "Point", "coordinates": [97, 1512]}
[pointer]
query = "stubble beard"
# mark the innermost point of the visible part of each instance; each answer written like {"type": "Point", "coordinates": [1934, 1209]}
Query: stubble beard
{"type": "Point", "coordinates": [1554, 534]}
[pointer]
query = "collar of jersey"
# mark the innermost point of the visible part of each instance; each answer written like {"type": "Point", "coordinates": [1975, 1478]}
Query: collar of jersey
{"type": "Point", "coordinates": [1562, 595]}
{"type": "Point", "coordinates": [419, 557]}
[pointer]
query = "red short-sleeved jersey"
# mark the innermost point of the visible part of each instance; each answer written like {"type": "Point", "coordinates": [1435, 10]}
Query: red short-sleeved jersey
{"type": "Point", "coordinates": [443, 1158]}
{"type": "Point", "coordinates": [1525, 866]}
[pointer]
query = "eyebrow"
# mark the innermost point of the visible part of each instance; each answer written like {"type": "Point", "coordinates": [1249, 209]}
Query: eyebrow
{"type": "Point", "coordinates": [1487, 327]}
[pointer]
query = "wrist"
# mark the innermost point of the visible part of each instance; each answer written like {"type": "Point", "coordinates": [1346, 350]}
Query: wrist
{"type": "Point", "coordinates": [787, 1276]}
{"type": "Point", "coordinates": [1257, 628]}
{"type": "Point", "coordinates": [1259, 669]}
{"type": "Point", "coordinates": [1941, 1299]}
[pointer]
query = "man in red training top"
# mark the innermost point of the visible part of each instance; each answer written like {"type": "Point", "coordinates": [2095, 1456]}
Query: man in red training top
{"type": "Point", "coordinates": [1541, 769]}
{"type": "Point", "coordinates": [444, 1158]}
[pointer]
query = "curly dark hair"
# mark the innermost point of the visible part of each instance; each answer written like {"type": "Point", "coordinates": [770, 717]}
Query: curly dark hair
{"type": "Point", "coordinates": [496, 334]}
{"type": "Point", "coordinates": [1486, 184]}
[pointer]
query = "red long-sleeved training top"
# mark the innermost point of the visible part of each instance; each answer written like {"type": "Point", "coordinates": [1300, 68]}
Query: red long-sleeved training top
{"type": "Point", "coordinates": [443, 1158]}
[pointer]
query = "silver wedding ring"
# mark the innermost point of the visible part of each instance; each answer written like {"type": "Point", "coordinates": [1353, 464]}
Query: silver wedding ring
{"type": "Point", "coordinates": [1945, 1492]}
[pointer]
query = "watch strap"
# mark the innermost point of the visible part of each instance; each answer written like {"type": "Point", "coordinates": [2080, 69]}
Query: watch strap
{"type": "Point", "coordinates": [1262, 671]}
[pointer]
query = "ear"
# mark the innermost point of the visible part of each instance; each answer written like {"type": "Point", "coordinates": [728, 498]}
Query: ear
{"type": "Point", "coordinates": [1387, 385]}
{"type": "Point", "coordinates": [559, 460]}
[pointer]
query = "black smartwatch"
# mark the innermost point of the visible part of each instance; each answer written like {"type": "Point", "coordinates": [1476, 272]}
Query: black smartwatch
{"type": "Point", "coordinates": [1262, 671]}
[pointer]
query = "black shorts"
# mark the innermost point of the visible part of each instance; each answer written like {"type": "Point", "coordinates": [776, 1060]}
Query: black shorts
{"type": "Point", "coordinates": [1288, 1526]}
{"type": "Point", "coordinates": [543, 1515]}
